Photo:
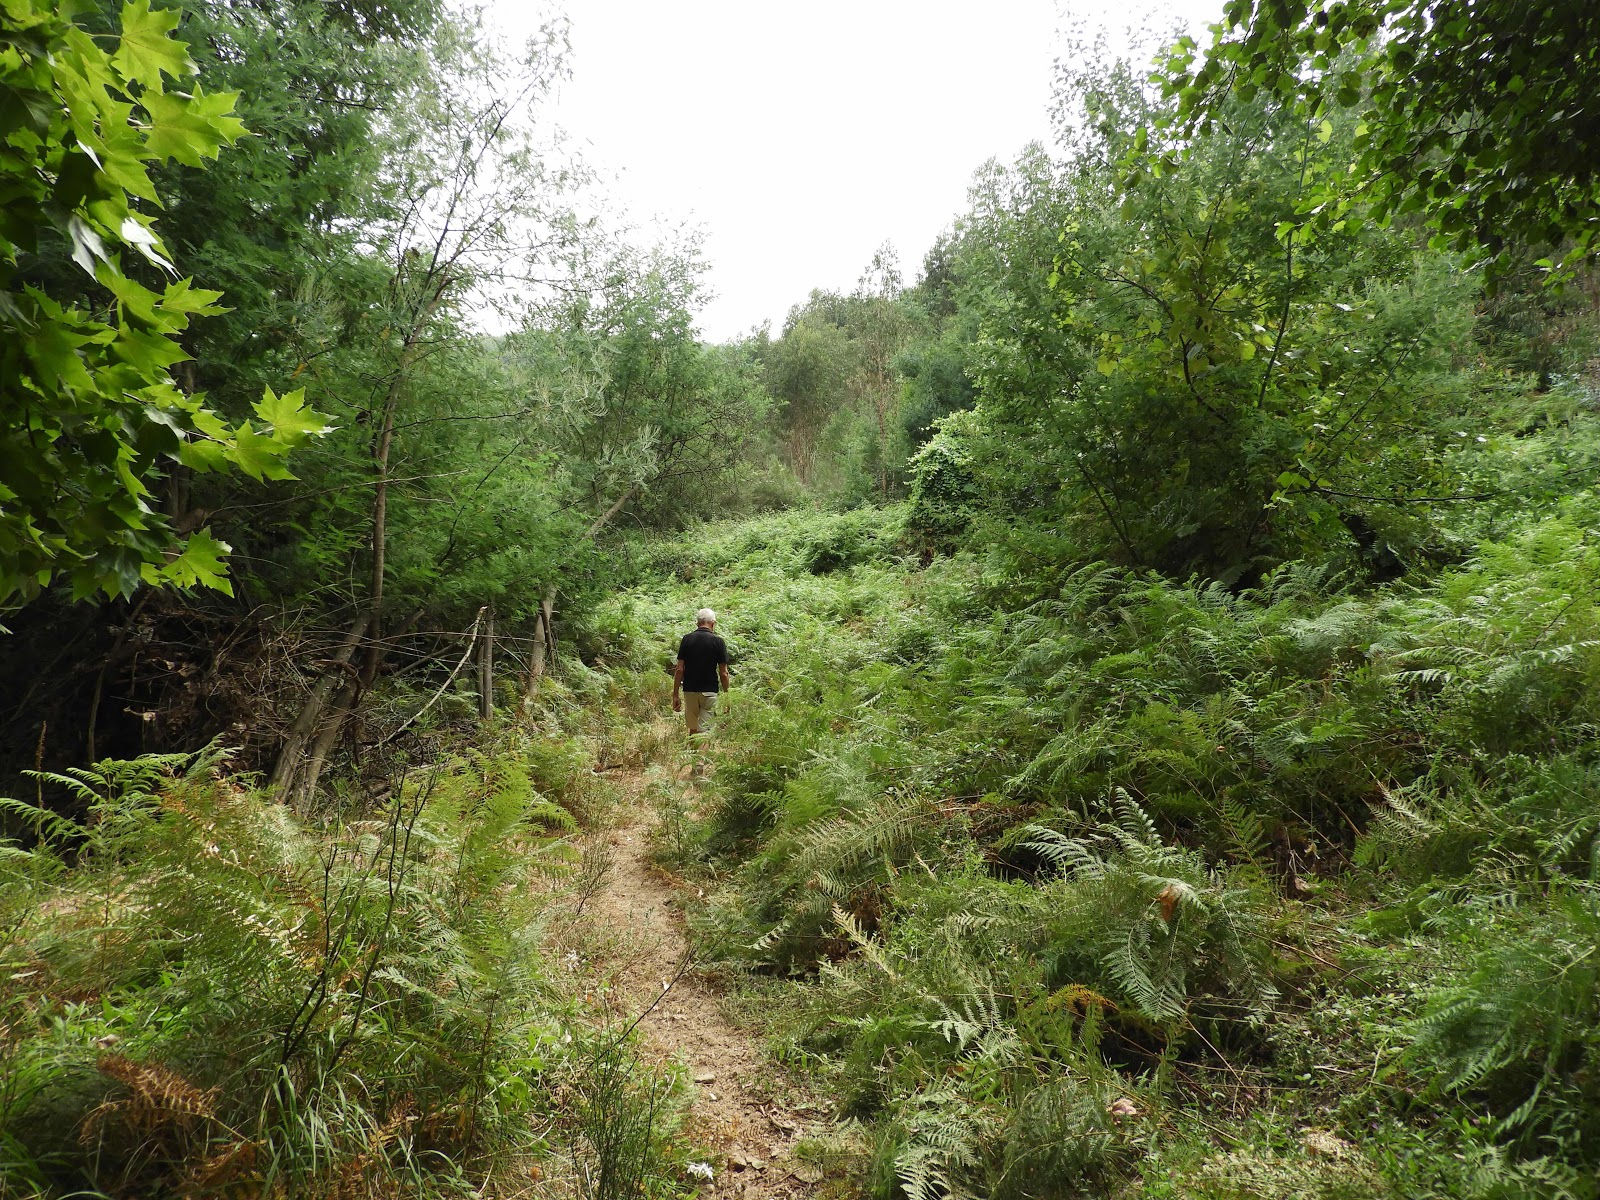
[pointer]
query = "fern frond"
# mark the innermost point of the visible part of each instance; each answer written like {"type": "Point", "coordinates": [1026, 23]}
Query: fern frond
{"type": "Point", "coordinates": [53, 826]}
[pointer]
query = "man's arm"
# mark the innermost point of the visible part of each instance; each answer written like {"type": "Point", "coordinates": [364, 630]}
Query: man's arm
{"type": "Point", "coordinates": [677, 686]}
{"type": "Point", "coordinates": [722, 674]}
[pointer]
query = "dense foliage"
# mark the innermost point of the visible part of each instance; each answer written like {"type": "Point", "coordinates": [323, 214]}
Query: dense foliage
{"type": "Point", "coordinates": [398, 184]}
{"type": "Point", "coordinates": [1472, 112]}
{"type": "Point", "coordinates": [94, 417]}
{"type": "Point", "coordinates": [1060, 883]}
{"type": "Point", "coordinates": [207, 995]}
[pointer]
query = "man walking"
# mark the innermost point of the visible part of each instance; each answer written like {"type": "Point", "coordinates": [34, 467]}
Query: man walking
{"type": "Point", "coordinates": [702, 667]}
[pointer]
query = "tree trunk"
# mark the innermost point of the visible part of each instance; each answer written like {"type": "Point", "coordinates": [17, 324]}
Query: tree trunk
{"type": "Point", "coordinates": [323, 746]}
{"type": "Point", "coordinates": [380, 457]}
{"type": "Point", "coordinates": [287, 770]}
{"type": "Point", "coordinates": [544, 635]}
{"type": "Point", "coordinates": [604, 518]}
{"type": "Point", "coordinates": [543, 639]}
{"type": "Point", "coordinates": [883, 451]}
{"type": "Point", "coordinates": [486, 669]}
{"type": "Point", "coordinates": [380, 521]}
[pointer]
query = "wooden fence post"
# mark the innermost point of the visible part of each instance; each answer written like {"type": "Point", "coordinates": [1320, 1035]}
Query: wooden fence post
{"type": "Point", "coordinates": [486, 669]}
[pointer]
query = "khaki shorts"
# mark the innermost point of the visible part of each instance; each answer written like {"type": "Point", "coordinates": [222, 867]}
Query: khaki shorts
{"type": "Point", "coordinates": [698, 710]}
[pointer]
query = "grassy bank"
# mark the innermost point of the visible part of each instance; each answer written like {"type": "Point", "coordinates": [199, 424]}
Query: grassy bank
{"type": "Point", "coordinates": [1115, 886]}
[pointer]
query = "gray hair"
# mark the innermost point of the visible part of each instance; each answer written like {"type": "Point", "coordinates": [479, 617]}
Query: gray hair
{"type": "Point", "coordinates": [705, 617]}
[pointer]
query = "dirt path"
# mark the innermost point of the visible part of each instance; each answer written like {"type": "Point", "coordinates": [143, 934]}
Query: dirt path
{"type": "Point", "coordinates": [740, 1108]}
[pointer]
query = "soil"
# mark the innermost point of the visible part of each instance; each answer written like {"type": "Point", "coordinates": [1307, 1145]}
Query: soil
{"type": "Point", "coordinates": [743, 1109]}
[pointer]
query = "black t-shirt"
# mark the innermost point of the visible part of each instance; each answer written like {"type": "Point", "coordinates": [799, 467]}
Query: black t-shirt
{"type": "Point", "coordinates": [700, 652]}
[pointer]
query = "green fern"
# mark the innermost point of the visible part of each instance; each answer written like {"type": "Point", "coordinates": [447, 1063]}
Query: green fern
{"type": "Point", "coordinates": [1523, 1023]}
{"type": "Point", "coordinates": [1158, 918]}
{"type": "Point", "coordinates": [313, 982]}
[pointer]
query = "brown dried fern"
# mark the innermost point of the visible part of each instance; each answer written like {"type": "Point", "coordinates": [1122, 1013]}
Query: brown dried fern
{"type": "Point", "coordinates": [236, 1161]}
{"type": "Point", "coordinates": [159, 1100]}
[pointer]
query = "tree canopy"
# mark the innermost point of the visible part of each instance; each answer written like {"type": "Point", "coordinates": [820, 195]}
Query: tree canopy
{"type": "Point", "coordinates": [1478, 114]}
{"type": "Point", "coordinates": [97, 416]}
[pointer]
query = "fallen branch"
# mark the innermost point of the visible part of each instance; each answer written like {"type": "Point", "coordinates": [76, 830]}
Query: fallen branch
{"type": "Point", "coordinates": [472, 640]}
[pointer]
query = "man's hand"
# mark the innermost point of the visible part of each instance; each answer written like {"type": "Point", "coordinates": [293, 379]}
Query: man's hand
{"type": "Point", "coordinates": [677, 702]}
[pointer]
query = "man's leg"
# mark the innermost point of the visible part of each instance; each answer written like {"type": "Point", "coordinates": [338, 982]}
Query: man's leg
{"type": "Point", "coordinates": [708, 711]}
{"type": "Point", "coordinates": [691, 711]}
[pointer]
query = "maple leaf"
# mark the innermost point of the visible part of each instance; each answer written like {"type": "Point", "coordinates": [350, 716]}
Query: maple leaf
{"type": "Point", "coordinates": [290, 419]}
{"type": "Point", "coordinates": [53, 352]}
{"type": "Point", "coordinates": [147, 49]}
{"type": "Point", "coordinates": [258, 456]}
{"type": "Point", "coordinates": [201, 563]}
{"type": "Point", "coordinates": [182, 296]}
{"type": "Point", "coordinates": [120, 149]}
{"type": "Point", "coordinates": [204, 455]}
{"type": "Point", "coordinates": [148, 353]}
{"type": "Point", "coordinates": [136, 233]}
{"type": "Point", "coordinates": [86, 243]}
{"type": "Point", "coordinates": [137, 300]}
{"type": "Point", "coordinates": [191, 128]}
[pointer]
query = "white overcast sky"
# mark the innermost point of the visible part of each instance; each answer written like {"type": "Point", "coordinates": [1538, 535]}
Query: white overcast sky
{"type": "Point", "coordinates": [800, 137]}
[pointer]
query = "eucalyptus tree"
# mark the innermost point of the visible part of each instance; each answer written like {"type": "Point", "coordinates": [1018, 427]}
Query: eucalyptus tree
{"type": "Point", "coordinates": [833, 374]}
{"type": "Point", "coordinates": [806, 371]}
{"type": "Point", "coordinates": [882, 327]}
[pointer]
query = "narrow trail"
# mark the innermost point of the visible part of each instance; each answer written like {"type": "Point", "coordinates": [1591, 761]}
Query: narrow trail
{"type": "Point", "coordinates": [741, 1106]}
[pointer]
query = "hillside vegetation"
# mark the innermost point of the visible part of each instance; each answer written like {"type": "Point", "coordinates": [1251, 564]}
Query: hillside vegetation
{"type": "Point", "coordinates": [1159, 889]}
{"type": "Point", "coordinates": [1161, 758]}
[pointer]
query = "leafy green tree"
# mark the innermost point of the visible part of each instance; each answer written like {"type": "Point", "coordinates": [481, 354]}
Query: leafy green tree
{"type": "Point", "coordinates": [279, 222]}
{"type": "Point", "coordinates": [664, 418]}
{"type": "Point", "coordinates": [806, 369]}
{"type": "Point", "coordinates": [484, 211]}
{"type": "Point", "coordinates": [934, 383]}
{"type": "Point", "coordinates": [1201, 381]}
{"type": "Point", "coordinates": [934, 368]}
{"type": "Point", "coordinates": [287, 222]}
{"type": "Point", "coordinates": [94, 416]}
{"type": "Point", "coordinates": [1477, 113]}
